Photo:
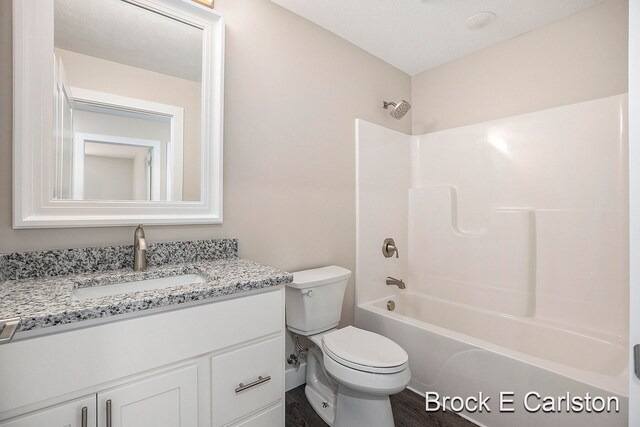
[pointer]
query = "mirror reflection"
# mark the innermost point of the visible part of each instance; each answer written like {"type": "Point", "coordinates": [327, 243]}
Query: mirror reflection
{"type": "Point", "coordinates": [128, 103]}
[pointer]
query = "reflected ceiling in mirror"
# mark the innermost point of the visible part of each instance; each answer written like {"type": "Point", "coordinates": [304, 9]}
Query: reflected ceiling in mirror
{"type": "Point", "coordinates": [128, 74]}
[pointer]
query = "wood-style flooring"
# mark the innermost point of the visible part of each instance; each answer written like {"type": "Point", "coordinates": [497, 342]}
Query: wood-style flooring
{"type": "Point", "coordinates": [408, 411]}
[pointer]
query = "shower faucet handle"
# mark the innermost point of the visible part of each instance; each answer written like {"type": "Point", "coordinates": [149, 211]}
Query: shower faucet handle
{"type": "Point", "coordinates": [389, 248]}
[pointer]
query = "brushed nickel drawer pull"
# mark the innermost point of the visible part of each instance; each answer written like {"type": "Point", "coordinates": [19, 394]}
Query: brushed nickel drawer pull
{"type": "Point", "coordinates": [84, 417]}
{"type": "Point", "coordinates": [109, 413]}
{"type": "Point", "coordinates": [8, 328]}
{"type": "Point", "coordinates": [260, 380]}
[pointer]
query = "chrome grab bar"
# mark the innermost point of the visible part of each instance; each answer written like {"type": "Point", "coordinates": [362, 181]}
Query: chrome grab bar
{"type": "Point", "coordinates": [8, 328]}
{"type": "Point", "coordinates": [260, 380]}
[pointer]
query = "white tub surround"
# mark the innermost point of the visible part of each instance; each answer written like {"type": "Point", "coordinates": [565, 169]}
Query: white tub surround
{"type": "Point", "coordinates": [512, 237]}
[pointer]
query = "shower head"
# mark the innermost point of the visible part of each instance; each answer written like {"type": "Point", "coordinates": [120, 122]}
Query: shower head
{"type": "Point", "coordinates": [399, 109]}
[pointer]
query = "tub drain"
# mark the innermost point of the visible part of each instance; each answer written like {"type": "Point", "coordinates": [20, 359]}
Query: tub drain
{"type": "Point", "coordinates": [391, 305]}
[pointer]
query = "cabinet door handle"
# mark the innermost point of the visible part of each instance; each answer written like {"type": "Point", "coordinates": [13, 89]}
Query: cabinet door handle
{"type": "Point", "coordinates": [83, 422]}
{"type": "Point", "coordinates": [109, 413]}
{"type": "Point", "coordinates": [243, 387]}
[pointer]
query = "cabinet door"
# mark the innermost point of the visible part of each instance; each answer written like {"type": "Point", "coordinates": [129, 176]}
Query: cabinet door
{"type": "Point", "coordinates": [168, 399]}
{"type": "Point", "coordinates": [68, 414]}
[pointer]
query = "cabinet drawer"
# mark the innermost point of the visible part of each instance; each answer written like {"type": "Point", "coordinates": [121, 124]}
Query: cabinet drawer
{"type": "Point", "coordinates": [230, 400]}
{"type": "Point", "coordinates": [272, 417]}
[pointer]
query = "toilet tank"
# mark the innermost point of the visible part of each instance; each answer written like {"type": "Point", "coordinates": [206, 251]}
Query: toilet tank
{"type": "Point", "coordinates": [314, 299]}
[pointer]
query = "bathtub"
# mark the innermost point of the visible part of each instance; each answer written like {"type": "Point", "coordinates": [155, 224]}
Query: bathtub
{"type": "Point", "coordinates": [458, 350]}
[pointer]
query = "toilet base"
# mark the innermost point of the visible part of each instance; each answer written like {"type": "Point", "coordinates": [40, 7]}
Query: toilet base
{"type": "Point", "coordinates": [357, 409]}
{"type": "Point", "coordinates": [339, 405]}
{"type": "Point", "coordinates": [325, 406]}
{"type": "Point", "coordinates": [320, 390]}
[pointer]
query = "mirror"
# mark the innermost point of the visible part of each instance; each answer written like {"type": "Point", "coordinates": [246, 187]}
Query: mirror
{"type": "Point", "coordinates": [134, 130]}
{"type": "Point", "coordinates": [132, 86]}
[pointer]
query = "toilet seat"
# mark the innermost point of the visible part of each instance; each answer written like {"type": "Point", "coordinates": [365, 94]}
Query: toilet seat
{"type": "Point", "coordinates": [364, 351]}
{"type": "Point", "coordinates": [374, 384]}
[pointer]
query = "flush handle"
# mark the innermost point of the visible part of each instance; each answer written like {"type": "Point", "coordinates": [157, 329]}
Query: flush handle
{"type": "Point", "coordinates": [389, 248]}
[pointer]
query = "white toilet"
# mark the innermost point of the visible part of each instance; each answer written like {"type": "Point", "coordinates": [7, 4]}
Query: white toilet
{"type": "Point", "coordinates": [351, 372]}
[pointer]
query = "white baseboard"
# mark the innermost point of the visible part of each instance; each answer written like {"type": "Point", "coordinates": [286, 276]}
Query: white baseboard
{"type": "Point", "coordinates": [295, 377]}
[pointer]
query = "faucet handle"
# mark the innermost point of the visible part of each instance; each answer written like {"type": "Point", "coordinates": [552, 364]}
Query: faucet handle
{"type": "Point", "coordinates": [389, 248]}
{"type": "Point", "coordinates": [139, 240]}
{"type": "Point", "coordinates": [142, 245]}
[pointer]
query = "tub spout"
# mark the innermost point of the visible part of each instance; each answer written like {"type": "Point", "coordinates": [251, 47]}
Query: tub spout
{"type": "Point", "coordinates": [391, 281]}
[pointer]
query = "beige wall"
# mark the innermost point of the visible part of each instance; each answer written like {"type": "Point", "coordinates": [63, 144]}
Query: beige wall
{"type": "Point", "coordinates": [109, 178]}
{"type": "Point", "coordinates": [576, 59]}
{"type": "Point", "coordinates": [292, 93]}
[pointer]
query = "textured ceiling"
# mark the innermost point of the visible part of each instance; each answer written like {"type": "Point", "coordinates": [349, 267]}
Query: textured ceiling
{"type": "Point", "coordinates": [415, 35]}
{"type": "Point", "coordinates": [124, 33]}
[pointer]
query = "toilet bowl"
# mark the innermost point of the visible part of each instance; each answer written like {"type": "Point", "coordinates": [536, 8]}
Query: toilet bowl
{"type": "Point", "coordinates": [350, 372]}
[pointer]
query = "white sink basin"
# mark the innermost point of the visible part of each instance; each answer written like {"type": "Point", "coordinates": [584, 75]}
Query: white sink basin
{"type": "Point", "coordinates": [139, 285]}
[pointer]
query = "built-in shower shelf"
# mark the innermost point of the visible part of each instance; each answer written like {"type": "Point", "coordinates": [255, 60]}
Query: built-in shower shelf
{"type": "Point", "coordinates": [493, 269]}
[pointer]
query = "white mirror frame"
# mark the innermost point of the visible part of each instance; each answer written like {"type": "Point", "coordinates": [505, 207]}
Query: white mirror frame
{"type": "Point", "coordinates": [33, 124]}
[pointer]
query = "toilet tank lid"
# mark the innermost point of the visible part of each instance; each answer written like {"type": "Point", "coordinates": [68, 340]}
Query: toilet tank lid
{"type": "Point", "coordinates": [319, 276]}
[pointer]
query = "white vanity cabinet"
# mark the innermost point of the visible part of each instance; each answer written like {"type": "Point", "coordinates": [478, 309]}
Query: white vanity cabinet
{"type": "Point", "coordinates": [77, 413]}
{"type": "Point", "coordinates": [213, 364]}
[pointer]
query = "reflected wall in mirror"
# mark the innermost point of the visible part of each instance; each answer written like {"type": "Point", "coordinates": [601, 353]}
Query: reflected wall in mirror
{"type": "Point", "coordinates": [137, 77]}
{"type": "Point", "coordinates": [113, 168]}
{"type": "Point", "coordinates": [117, 112]}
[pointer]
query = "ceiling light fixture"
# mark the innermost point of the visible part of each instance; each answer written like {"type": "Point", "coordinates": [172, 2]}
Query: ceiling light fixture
{"type": "Point", "coordinates": [480, 20]}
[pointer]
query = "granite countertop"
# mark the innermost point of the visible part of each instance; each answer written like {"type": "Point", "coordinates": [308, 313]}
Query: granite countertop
{"type": "Point", "coordinates": [43, 299]}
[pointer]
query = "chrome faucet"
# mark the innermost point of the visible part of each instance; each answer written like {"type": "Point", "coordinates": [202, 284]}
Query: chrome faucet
{"type": "Point", "coordinates": [395, 282]}
{"type": "Point", "coordinates": [139, 250]}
